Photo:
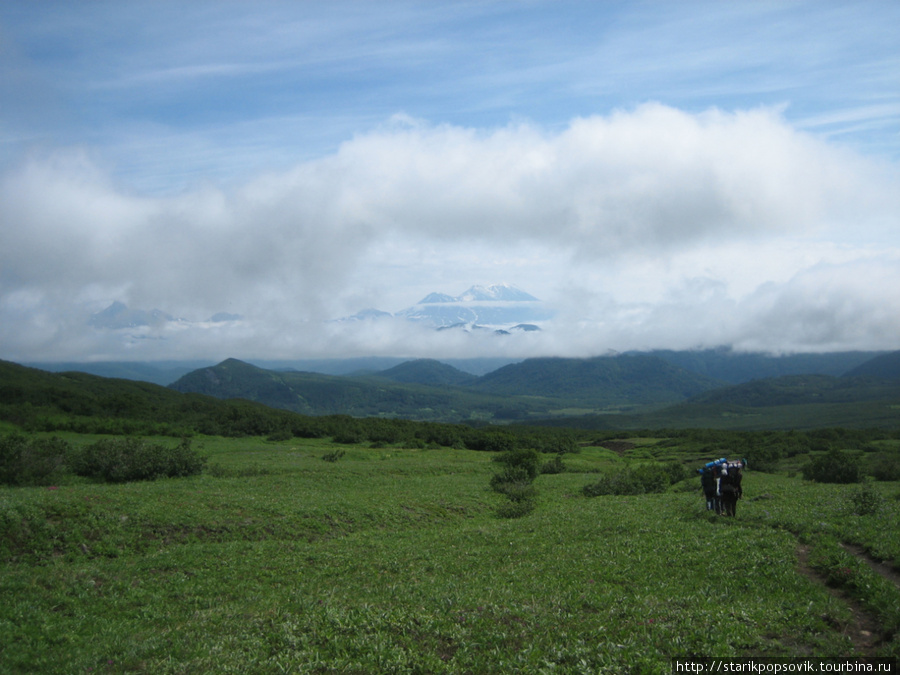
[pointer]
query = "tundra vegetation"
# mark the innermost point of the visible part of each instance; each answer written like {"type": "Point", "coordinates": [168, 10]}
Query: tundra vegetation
{"type": "Point", "coordinates": [402, 556]}
{"type": "Point", "coordinates": [173, 533]}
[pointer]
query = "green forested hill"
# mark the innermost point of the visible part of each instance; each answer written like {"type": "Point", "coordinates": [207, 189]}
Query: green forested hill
{"type": "Point", "coordinates": [32, 398]}
{"type": "Point", "coordinates": [80, 393]}
{"type": "Point", "coordinates": [886, 366]}
{"type": "Point", "coordinates": [799, 390]}
{"type": "Point", "coordinates": [430, 372]}
{"type": "Point", "coordinates": [238, 398]}
{"type": "Point", "coordinates": [791, 402]}
{"type": "Point", "coordinates": [561, 389]}
{"type": "Point", "coordinates": [157, 372]}
{"type": "Point", "coordinates": [601, 381]}
{"type": "Point", "coordinates": [316, 394]}
{"type": "Point", "coordinates": [736, 367]}
{"type": "Point", "coordinates": [531, 388]}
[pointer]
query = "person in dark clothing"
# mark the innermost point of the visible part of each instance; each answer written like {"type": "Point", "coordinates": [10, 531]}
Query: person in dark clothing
{"type": "Point", "coordinates": [708, 483]}
{"type": "Point", "coordinates": [730, 488]}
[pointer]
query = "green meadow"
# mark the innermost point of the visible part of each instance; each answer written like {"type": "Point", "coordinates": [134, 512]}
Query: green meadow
{"type": "Point", "coordinates": [392, 560]}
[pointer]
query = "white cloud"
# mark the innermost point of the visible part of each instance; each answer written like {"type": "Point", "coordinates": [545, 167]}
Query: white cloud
{"type": "Point", "coordinates": [667, 228]}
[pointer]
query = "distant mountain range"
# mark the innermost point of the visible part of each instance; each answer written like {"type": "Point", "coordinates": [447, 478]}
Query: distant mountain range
{"type": "Point", "coordinates": [630, 390]}
{"type": "Point", "coordinates": [428, 389]}
{"type": "Point", "coordinates": [119, 316]}
{"type": "Point", "coordinates": [503, 307]}
{"type": "Point", "coordinates": [626, 391]}
{"type": "Point", "coordinates": [735, 367]}
{"type": "Point", "coordinates": [885, 366]}
{"type": "Point", "coordinates": [718, 364]}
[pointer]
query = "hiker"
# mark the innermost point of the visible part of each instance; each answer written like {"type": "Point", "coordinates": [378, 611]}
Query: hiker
{"type": "Point", "coordinates": [708, 483]}
{"type": "Point", "coordinates": [730, 487]}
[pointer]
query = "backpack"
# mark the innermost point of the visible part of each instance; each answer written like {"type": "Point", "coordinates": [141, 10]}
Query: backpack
{"type": "Point", "coordinates": [731, 481]}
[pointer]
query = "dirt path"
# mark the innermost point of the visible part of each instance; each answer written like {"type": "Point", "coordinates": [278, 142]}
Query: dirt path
{"type": "Point", "coordinates": [884, 569]}
{"type": "Point", "coordinates": [863, 630]}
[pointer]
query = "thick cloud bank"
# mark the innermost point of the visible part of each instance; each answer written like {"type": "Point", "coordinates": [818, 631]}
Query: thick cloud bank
{"type": "Point", "coordinates": [644, 228]}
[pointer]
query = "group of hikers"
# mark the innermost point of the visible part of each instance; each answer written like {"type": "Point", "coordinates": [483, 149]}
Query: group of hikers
{"type": "Point", "coordinates": [721, 482]}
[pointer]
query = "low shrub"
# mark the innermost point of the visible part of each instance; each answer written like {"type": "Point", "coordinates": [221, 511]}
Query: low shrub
{"type": "Point", "coordinates": [350, 436]}
{"type": "Point", "coordinates": [334, 455]}
{"type": "Point", "coordinates": [676, 472]}
{"type": "Point", "coordinates": [516, 491]}
{"type": "Point", "coordinates": [526, 461]}
{"type": "Point", "coordinates": [886, 468]}
{"type": "Point", "coordinates": [555, 465]}
{"type": "Point", "coordinates": [280, 435]}
{"type": "Point", "coordinates": [117, 460]}
{"type": "Point", "coordinates": [866, 500]}
{"type": "Point", "coordinates": [638, 481]}
{"type": "Point", "coordinates": [516, 481]}
{"type": "Point", "coordinates": [515, 509]}
{"type": "Point", "coordinates": [510, 476]}
{"type": "Point", "coordinates": [764, 458]}
{"type": "Point", "coordinates": [834, 466]}
{"type": "Point", "coordinates": [34, 461]}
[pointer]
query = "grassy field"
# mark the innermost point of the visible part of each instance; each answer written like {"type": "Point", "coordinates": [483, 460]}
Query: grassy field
{"type": "Point", "coordinates": [394, 561]}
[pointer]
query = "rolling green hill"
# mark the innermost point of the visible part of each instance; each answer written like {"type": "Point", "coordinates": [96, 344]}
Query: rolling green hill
{"type": "Point", "coordinates": [427, 389]}
{"type": "Point", "coordinates": [631, 379]}
{"type": "Point", "coordinates": [886, 366]}
{"type": "Point", "coordinates": [790, 402]}
{"type": "Point", "coordinates": [623, 392]}
{"type": "Point", "coordinates": [640, 391]}
{"type": "Point", "coordinates": [362, 396]}
{"type": "Point", "coordinates": [157, 372]}
{"type": "Point", "coordinates": [430, 372]}
{"type": "Point", "coordinates": [736, 367]}
{"type": "Point", "coordinates": [35, 399]}
{"type": "Point", "coordinates": [799, 390]}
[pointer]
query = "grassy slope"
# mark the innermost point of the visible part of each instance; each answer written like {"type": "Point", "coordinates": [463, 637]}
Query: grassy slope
{"type": "Point", "coordinates": [392, 561]}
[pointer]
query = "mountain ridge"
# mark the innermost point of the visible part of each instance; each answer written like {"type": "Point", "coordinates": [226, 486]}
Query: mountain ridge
{"type": "Point", "coordinates": [513, 391]}
{"type": "Point", "coordinates": [32, 396]}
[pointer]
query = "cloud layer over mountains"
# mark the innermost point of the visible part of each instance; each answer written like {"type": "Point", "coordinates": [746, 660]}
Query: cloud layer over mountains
{"type": "Point", "coordinates": [649, 227]}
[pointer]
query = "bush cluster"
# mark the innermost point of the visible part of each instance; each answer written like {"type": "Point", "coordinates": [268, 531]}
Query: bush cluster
{"type": "Point", "coordinates": [866, 500]}
{"type": "Point", "coordinates": [31, 461]}
{"type": "Point", "coordinates": [516, 480]}
{"type": "Point", "coordinates": [648, 478]}
{"type": "Point", "coordinates": [886, 468]}
{"type": "Point", "coordinates": [555, 465]}
{"type": "Point", "coordinates": [116, 460]}
{"type": "Point", "coordinates": [833, 466]}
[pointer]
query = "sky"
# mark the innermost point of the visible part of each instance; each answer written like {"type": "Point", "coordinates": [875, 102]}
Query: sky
{"type": "Point", "coordinates": [678, 175]}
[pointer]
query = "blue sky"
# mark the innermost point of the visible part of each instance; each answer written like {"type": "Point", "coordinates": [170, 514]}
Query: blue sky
{"type": "Point", "coordinates": [663, 174]}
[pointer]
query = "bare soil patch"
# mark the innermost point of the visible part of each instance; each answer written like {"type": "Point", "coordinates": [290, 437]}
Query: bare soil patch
{"type": "Point", "coordinates": [880, 567]}
{"type": "Point", "coordinates": [863, 630]}
{"type": "Point", "coordinates": [618, 447]}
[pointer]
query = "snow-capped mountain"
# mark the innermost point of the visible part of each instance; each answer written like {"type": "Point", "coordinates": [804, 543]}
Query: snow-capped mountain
{"type": "Point", "coordinates": [495, 293]}
{"type": "Point", "coordinates": [498, 306]}
{"type": "Point", "coordinates": [119, 316]}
